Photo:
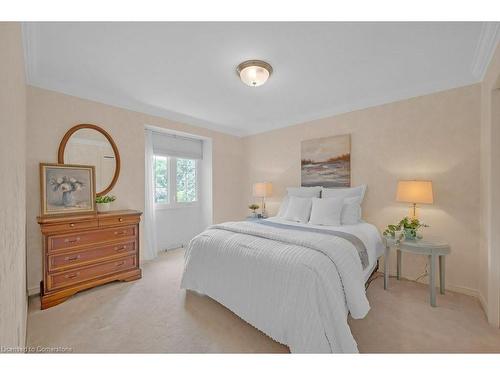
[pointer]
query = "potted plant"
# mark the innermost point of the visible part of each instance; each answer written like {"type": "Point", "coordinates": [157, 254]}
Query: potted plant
{"type": "Point", "coordinates": [254, 207]}
{"type": "Point", "coordinates": [408, 228]}
{"type": "Point", "coordinates": [104, 202]}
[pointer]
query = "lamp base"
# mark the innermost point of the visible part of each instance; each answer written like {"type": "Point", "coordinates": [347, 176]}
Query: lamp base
{"type": "Point", "coordinates": [413, 214]}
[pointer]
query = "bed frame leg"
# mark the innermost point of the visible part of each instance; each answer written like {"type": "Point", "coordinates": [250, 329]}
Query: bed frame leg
{"type": "Point", "coordinates": [367, 284]}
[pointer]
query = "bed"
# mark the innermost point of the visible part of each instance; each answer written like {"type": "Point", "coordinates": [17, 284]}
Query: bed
{"type": "Point", "coordinates": [366, 232]}
{"type": "Point", "coordinates": [295, 282]}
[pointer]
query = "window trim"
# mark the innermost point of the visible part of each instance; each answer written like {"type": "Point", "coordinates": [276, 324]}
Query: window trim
{"type": "Point", "coordinates": [172, 186]}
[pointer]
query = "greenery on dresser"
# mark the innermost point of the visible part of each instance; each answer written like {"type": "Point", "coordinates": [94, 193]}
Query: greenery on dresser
{"type": "Point", "coordinates": [254, 207]}
{"type": "Point", "coordinates": [105, 199]}
{"type": "Point", "coordinates": [407, 228]}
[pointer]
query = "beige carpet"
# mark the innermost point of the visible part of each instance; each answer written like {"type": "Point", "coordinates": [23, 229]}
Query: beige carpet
{"type": "Point", "coordinates": [154, 315]}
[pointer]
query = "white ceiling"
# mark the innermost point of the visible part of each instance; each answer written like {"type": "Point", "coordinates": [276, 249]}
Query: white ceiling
{"type": "Point", "coordinates": [186, 71]}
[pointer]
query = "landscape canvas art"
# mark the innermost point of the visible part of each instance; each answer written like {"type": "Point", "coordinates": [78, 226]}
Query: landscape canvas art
{"type": "Point", "coordinates": [67, 188]}
{"type": "Point", "coordinates": [326, 161]}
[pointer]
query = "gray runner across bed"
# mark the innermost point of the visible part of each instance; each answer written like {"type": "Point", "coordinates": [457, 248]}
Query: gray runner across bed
{"type": "Point", "coordinates": [355, 241]}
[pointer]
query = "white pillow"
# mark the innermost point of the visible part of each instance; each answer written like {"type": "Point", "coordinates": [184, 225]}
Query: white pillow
{"type": "Point", "coordinates": [358, 191]}
{"type": "Point", "coordinates": [351, 211]}
{"type": "Point", "coordinates": [303, 192]}
{"type": "Point", "coordinates": [299, 209]}
{"type": "Point", "coordinates": [309, 192]}
{"type": "Point", "coordinates": [283, 206]}
{"type": "Point", "coordinates": [326, 211]}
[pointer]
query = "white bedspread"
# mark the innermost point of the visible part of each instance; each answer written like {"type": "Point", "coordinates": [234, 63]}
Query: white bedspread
{"type": "Point", "coordinates": [366, 232]}
{"type": "Point", "coordinates": [296, 287]}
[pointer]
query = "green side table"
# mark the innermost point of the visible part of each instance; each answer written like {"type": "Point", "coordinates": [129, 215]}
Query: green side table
{"type": "Point", "coordinates": [433, 250]}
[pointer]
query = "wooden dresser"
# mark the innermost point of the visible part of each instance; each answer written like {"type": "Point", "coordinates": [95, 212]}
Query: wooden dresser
{"type": "Point", "coordinates": [80, 252]}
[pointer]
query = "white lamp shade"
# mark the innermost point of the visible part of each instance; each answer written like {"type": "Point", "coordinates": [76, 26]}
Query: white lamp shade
{"type": "Point", "coordinates": [262, 189]}
{"type": "Point", "coordinates": [415, 192]}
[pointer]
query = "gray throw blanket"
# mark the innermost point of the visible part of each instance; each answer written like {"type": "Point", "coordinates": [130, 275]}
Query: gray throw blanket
{"type": "Point", "coordinates": [355, 241]}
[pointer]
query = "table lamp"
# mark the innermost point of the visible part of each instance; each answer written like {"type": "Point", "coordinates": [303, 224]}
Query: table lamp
{"type": "Point", "coordinates": [413, 191]}
{"type": "Point", "coordinates": [263, 190]}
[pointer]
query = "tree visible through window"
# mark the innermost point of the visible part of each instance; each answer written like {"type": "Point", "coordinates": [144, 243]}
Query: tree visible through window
{"type": "Point", "coordinates": [186, 180]}
{"type": "Point", "coordinates": [184, 189]}
{"type": "Point", "coordinates": [161, 179]}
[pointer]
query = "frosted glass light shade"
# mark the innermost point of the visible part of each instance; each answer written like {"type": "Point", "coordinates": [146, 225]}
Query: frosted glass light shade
{"type": "Point", "coordinates": [254, 72]}
{"type": "Point", "coordinates": [415, 192]}
{"type": "Point", "coordinates": [262, 189]}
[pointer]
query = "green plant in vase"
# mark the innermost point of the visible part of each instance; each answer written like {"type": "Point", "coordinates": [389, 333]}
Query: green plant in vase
{"type": "Point", "coordinates": [408, 228]}
{"type": "Point", "coordinates": [254, 207]}
{"type": "Point", "coordinates": [104, 202]}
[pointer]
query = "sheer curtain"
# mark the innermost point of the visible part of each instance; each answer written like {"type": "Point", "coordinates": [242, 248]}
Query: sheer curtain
{"type": "Point", "coordinates": [151, 247]}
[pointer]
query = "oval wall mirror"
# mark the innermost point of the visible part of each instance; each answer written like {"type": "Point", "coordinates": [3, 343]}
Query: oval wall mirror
{"type": "Point", "coordinates": [88, 144]}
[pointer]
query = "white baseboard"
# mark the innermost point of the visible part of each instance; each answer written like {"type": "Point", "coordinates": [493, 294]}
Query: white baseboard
{"type": "Point", "coordinates": [483, 303]}
{"type": "Point", "coordinates": [34, 291]}
{"type": "Point", "coordinates": [463, 290]}
{"type": "Point", "coordinates": [457, 289]}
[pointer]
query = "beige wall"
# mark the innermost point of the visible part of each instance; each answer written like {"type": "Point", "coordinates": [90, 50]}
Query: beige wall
{"type": "Point", "coordinates": [13, 300]}
{"type": "Point", "coordinates": [431, 137]}
{"type": "Point", "coordinates": [489, 259]}
{"type": "Point", "coordinates": [51, 114]}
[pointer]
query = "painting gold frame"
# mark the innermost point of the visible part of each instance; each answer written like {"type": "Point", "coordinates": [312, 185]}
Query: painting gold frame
{"type": "Point", "coordinates": [90, 206]}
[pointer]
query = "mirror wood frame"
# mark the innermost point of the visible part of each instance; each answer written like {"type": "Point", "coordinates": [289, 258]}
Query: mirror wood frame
{"type": "Point", "coordinates": [70, 132]}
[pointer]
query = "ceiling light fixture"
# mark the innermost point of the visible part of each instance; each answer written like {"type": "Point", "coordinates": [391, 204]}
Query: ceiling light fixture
{"type": "Point", "coordinates": [254, 72]}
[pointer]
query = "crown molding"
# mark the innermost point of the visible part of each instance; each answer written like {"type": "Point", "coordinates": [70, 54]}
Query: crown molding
{"type": "Point", "coordinates": [364, 103]}
{"type": "Point", "coordinates": [488, 38]}
{"type": "Point", "coordinates": [29, 36]}
{"type": "Point", "coordinates": [486, 44]}
{"type": "Point", "coordinates": [146, 109]}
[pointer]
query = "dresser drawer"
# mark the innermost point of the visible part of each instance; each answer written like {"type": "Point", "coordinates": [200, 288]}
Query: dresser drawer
{"type": "Point", "coordinates": [71, 240]}
{"type": "Point", "coordinates": [70, 226]}
{"type": "Point", "coordinates": [119, 220]}
{"type": "Point", "coordinates": [58, 261]}
{"type": "Point", "coordinates": [62, 279]}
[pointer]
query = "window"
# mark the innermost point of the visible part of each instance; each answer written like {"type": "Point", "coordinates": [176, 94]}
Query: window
{"type": "Point", "coordinates": [176, 181]}
{"type": "Point", "coordinates": [161, 179]}
{"type": "Point", "coordinates": [186, 180]}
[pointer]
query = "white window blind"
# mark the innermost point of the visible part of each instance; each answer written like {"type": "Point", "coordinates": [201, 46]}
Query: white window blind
{"type": "Point", "coordinates": [177, 146]}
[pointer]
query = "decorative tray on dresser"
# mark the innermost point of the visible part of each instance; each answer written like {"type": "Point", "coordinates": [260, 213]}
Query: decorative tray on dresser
{"type": "Point", "coordinates": [83, 251]}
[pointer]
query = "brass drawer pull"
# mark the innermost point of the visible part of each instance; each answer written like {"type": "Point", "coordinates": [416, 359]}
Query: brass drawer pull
{"type": "Point", "coordinates": [124, 247]}
{"type": "Point", "coordinates": [72, 225]}
{"type": "Point", "coordinates": [120, 219]}
{"type": "Point", "coordinates": [121, 232]}
{"type": "Point", "coordinates": [119, 264]}
{"type": "Point", "coordinates": [72, 258]}
{"type": "Point", "coordinates": [67, 240]}
{"type": "Point", "coordinates": [72, 275]}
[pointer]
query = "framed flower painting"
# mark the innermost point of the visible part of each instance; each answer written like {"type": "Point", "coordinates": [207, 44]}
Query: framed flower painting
{"type": "Point", "coordinates": [67, 189]}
